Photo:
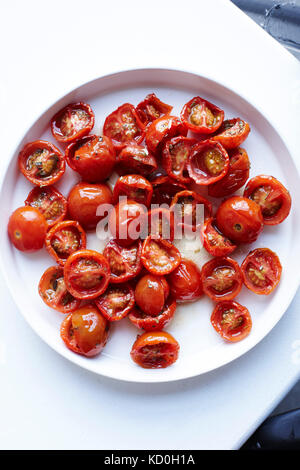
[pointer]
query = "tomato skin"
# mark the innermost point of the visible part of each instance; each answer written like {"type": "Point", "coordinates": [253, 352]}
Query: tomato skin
{"type": "Point", "coordinates": [83, 201]}
{"type": "Point", "coordinates": [235, 178]}
{"type": "Point", "coordinates": [63, 239]}
{"type": "Point", "coordinates": [93, 157]}
{"type": "Point", "coordinates": [126, 220]}
{"type": "Point", "coordinates": [185, 217]}
{"type": "Point", "coordinates": [208, 111]}
{"type": "Point", "coordinates": [177, 170]}
{"type": "Point", "coordinates": [273, 192]}
{"type": "Point", "coordinates": [162, 129]}
{"type": "Point", "coordinates": [232, 133]}
{"type": "Point", "coordinates": [135, 159]}
{"type": "Point", "coordinates": [222, 278]}
{"type": "Point", "coordinates": [41, 171]}
{"type": "Point", "coordinates": [262, 271]}
{"type": "Point", "coordinates": [151, 293]}
{"type": "Point", "coordinates": [240, 219]}
{"type": "Point", "coordinates": [159, 256]}
{"type": "Point", "coordinates": [204, 154]}
{"type": "Point", "coordinates": [49, 202]}
{"type": "Point", "coordinates": [27, 229]}
{"type": "Point", "coordinates": [161, 223]}
{"type": "Point", "coordinates": [134, 187]}
{"type": "Point", "coordinates": [116, 302]}
{"type": "Point", "coordinates": [155, 350]}
{"type": "Point", "coordinates": [238, 323]}
{"type": "Point", "coordinates": [57, 122]}
{"type": "Point", "coordinates": [125, 262]}
{"type": "Point", "coordinates": [153, 323]}
{"type": "Point", "coordinates": [164, 189]}
{"type": "Point", "coordinates": [152, 108]}
{"type": "Point", "coordinates": [214, 241]}
{"type": "Point", "coordinates": [185, 282]}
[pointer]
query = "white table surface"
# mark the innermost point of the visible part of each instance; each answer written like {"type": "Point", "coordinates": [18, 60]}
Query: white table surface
{"type": "Point", "coordinates": [48, 48]}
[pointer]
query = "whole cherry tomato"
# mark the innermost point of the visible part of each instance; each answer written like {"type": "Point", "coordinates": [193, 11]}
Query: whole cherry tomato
{"type": "Point", "coordinates": [240, 219]}
{"type": "Point", "coordinates": [232, 133]}
{"type": "Point", "coordinates": [134, 187]}
{"type": "Point", "coordinates": [208, 162]}
{"type": "Point", "coordinates": [49, 202]}
{"type": "Point", "coordinates": [63, 239]}
{"type": "Point", "coordinates": [135, 159]}
{"type": "Point", "coordinates": [41, 163]}
{"type": "Point", "coordinates": [85, 331]}
{"type": "Point", "coordinates": [93, 157]}
{"type": "Point", "coordinates": [125, 263]}
{"type": "Point", "coordinates": [164, 189]}
{"type": "Point", "coordinates": [152, 108]}
{"type": "Point", "coordinates": [231, 320]}
{"type": "Point", "coordinates": [201, 116]}
{"type": "Point", "coordinates": [272, 197]}
{"type": "Point", "coordinates": [159, 256]}
{"type": "Point", "coordinates": [262, 271]}
{"type": "Point", "coordinates": [189, 210]}
{"type": "Point", "coordinates": [153, 323]}
{"type": "Point", "coordinates": [222, 278]}
{"type": "Point", "coordinates": [151, 293]}
{"type": "Point", "coordinates": [162, 129]}
{"type": "Point", "coordinates": [185, 282]}
{"type": "Point", "coordinates": [214, 241]}
{"type": "Point", "coordinates": [175, 154]}
{"type": "Point", "coordinates": [27, 229]}
{"type": "Point", "coordinates": [161, 223]}
{"type": "Point", "coordinates": [154, 350]}
{"type": "Point", "coordinates": [126, 222]}
{"type": "Point", "coordinates": [72, 122]}
{"type": "Point", "coordinates": [116, 302]}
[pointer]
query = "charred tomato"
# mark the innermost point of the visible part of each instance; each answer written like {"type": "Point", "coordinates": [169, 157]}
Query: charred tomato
{"type": "Point", "coordinates": [214, 241]}
{"type": "Point", "coordinates": [63, 239]}
{"type": "Point", "coordinates": [72, 122]}
{"type": "Point", "coordinates": [134, 187]}
{"type": "Point", "coordinates": [125, 263]}
{"type": "Point", "coordinates": [175, 155]}
{"type": "Point", "coordinates": [152, 108]}
{"type": "Point", "coordinates": [150, 322]}
{"type": "Point", "coordinates": [135, 159]}
{"type": "Point", "coordinates": [155, 350]}
{"type": "Point", "coordinates": [232, 133]}
{"type": "Point", "coordinates": [49, 202]}
{"type": "Point", "coordinates": [116, 302]}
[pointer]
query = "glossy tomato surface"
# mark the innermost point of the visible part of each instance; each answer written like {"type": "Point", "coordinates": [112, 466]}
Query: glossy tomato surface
{"type": "Point", "coordinates": [125, 262]}
{"type": "Point", "coordinates": [231, 320]}
{"type": "Point", "coordinates": [185, 282]}
{"type": "Point", "coordinates": [190, 210]}
{"type": "Point", "coordinates": [54, 293]}
{"type": "Point", "coordinates": [151, 293]}
{"type": "Point", "coordinates": [134, 159]}
{"type": "Point", "coordinates": [161, 223]}
{"type": "Point", "coordinates": [63, 239]}
{"type": "Point", "coordinates": [208, 162]}
{"type": "Point", "coordinates": [262, 271]}
{"type": "Point", "coordinates": [155, 350]}
{"type": "Point", "coordinates": [175, 155]}
{"type": "Point", "coordinates": [222, 278]}
{"type": "Point", "coordinates": [164, 189]}
{"type": "Point", "coordinates": [152, 108]}
{"type": "Point", "coordinates": [201, 116]}
{"type": "Point", "coordinates": [148, 322]}
{"type": "Point", "coordinates": [126, 222]}
{"type": "Point", "coordinates": [161, 130]}
{"type": "Point", "coordinates": [159, 256]}
{"type": "Point", "coordinates": [232, 133]}
{"type": "Point", "coordinates": [134, 187]}
{"type": "Point", "coordinates": [72, 122]}
{"type": "Point", "coordinates": [116, 302]}
{"type": "Point", "coordinates": [27, 229]}
{"type": "Point", "coordinates": [214, 241]}
{"type": "Point", "coordinates": [49, 202]}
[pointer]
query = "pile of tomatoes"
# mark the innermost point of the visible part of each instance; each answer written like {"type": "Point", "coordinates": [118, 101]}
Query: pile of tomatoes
{"type": "Point", "coordinates": [161, 159]}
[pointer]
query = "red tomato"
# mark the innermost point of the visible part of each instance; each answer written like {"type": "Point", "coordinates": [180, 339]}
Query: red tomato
{"type": "Point", "coordinates": [232, 133]}
{"type": "Point", "coordinates": [175, 154]}
{"type": "Point", "coordinates": [53, 291]}
{"type": "Point", "coordinates": [27, 229]}
{"type": "Point", "coordinates": [159, 256]}
{"type": "Point", "coordinates": [154, 350]}
{"type": "Point", "coordinates": [126, 222]}
{"type": "Point", "coordinates": [41, 163]}
{"type": "Point", "coordinates": [161, 223]}
{"type": "Point", "coordinates": [84, 200]}
{"type": "Point", "coordinates": [162, 129]}
{"type": "Point", "coordinates": [231, 320]}
{"type": "Point", "coordinates": [214, 241]}
{"type": "Point", "coordinates": [189, 210]}
{"type": "Point", "coordinates": [152, 108]}
{"type": "Point", "coordinates": [134, 187]}
{"type": "Point", "coordinates": [64, 239]}
{"type": "Point", "coordinates": [86, 274]}
{"type": "Point", "coordinates": [222, 278]}
{"type": "Point", "coordinates": [262, 271]}
{"type": "Point", "coordinates": [272, 197]}
{"type": "Point", "coordinates": [185, 282]}
{"type": "Point", "coordinates": [93, 157]}
{"type": "Point", "coordinates": [153, 323]}
{"type": "Point", "coordinates": [125, 263]}
{"type": "Point", "coordinates": [116, 302]}
{"type": "Point", "coordinates": [240, 219]}
{"type": "Point", "coordinates": [208, 162]}
{"type": "Point", "coordinates": [201, 116]}
{"type": "Point", "coordinates": [235, 178]}
{"type": "Point", "coordinates": [164, 189]}
{"type": "Point", "coordinates": [85, 331]}
{"type": "Point", "coordinates": [72, 122]}
{"type": "Point", "coordinates": [49, 202]}
{"type": "Point", "coordinates": [135, 159]}
{"type": "Point", "coordinates": [151, 293]}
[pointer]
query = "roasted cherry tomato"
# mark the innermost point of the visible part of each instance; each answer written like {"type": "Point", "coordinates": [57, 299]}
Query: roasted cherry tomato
{"type": "Point", "coordinates": [126, 222]}
{"type": "Point", "coordinates": [161, 223]}
{"type": "Point", "coordinates": [84, 200]}
{"type": "Point", "coordinates": [214, 241]}
{"type": "Point", "coordinates": [222, 278]}
{"type": "Point", "coordinates": [175, 154]}
{"type": "Point", "coordinates": [164, 189]}
{"type": "Point", "coordinates": [49, 202]}
{"type": "Point", "coordinates": [41, 163]}
{"type": "Point", "coordinates": [72, 122]}
{"type": "Point", "coordinates": [185, 282]}
{"type": "Point", "coordinates": [124, 125]}
{"type": "Point", "coordinates": [135, 159]}
{"type": "Point", "coordinates": [152, 108]}
{"type": "Point", "coordinates": [116, 302]}
{"type": "Point", "coordinates": [85, 331]}
{"type": "Point", "coordinates": [240, 219]}
{"type": "Point", "coordinates": [27, 229]}
{"type": "Point", "coordinates": [155, 350]}
{"type": "Point", "coordinates": [272, 197]}
{"type": "Point", "coordinates": [262, 271]}
{"type": "Point", "coordinates": [208, 162]}
{"type": "Point", "coordinates": [235, 178]}
{"type": "Point", "coordinates": [201, 116]}
{"type": "Point", "coordinates": [159, 256]}
{"type": "Point", "coordinates": [86, 274]}
{"type": "Point", "coordinates": [151, 293]}
{"type": "Point", "coordinates": [53, 291]}
{"type": "Point", "coordinates": [231, 320]}
{"type": "Point", "coordinates": [64, 239]}
{"type": "Point", "coordinates": [93, 157]}
{"type": "Point", "coordinates": [189, 209]}
{"type": "Point", "coordinates": [232, 133]}
{"type": "Point", "coordinates": [161, 130]}
{"type": "Point", "coordinates": [125, 263]}
{"type": "Point", "coordinates": [135, 187]}
{"type": "Point", "coordinates": [153, 323]}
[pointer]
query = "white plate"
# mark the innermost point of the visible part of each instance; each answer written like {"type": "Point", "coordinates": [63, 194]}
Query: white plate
{"type": "Point", "coordinates": [202, 350]}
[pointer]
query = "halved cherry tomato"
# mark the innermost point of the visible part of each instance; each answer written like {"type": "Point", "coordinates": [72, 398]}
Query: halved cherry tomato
{"type": "Point", "coordinates": [49, 202]}
{"type": "Point", "coordinates": [63, 239]}
{"type": "Point", "coordinates": [159, 256]}
{"type": "Point", "coordinates": [231, 320]}
{"type": "Point", "coordinates": [93, 157]}
{"type": "Point", "coordinates": [27, 229]}
{"type": "Point", "coordinates": [232, 133]}
{"type": "Point", "coordinates": [152, 108]}
{"type": "Point", "coordinates": [135, 187]}
{"type": "Point", "coordinates": [153, 323]}
{"type": "Point", "coordinates": [151, 293]}
{"type": "Point", "coordinates": [214, 241]}
{"type": "Point", "coordinates": [240, 219]}
{"type": "Point", "coordinates": [185, 282]}
{"type": "Point", "coordinates": [72, 122]}
{"type": "Point", "coordinates": [84, 200]}
{"type": "Point", "coordinates": [272, 197]}
{"type": "Point", "coordinates": [201, 116]}
{"type": "Point", "coordinates": [116, 302]}
{"type": "Point", "coordinates": [262, 271]}
{"type": "Point", "coordinates": [162, 129]}
{"type": "Point", "coordinates": [125, 263]}
{"type": "Point", "coordinates": [155, 350]}
{"type": "Point", "coordinates": [189, 209]}
{"type": "Point", "coordinates": [85, 331]}
{"type": "Point", "coordinates": [161, 223]}
{"type": "Point", "coordinates": [222, 278]}
{"type": "Point", "coordinates": [126, 222]}
{"type": "Point", "coordinates": [175, 155]}
{"type": "Point", "coordinates": [235, 178]}
{"type": "Point", "coordinates": [135, 159]}
{"type": "Point", "coordinates": [41, 163]}
{"type": "Point", "coordinates": [164, 189]}
{"type": "Point", "coordinates": [86, 274]}
{"type": "Point", "coordinates": [208, 162]}
{"type": "Point", "coordinates": [54, 293]}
